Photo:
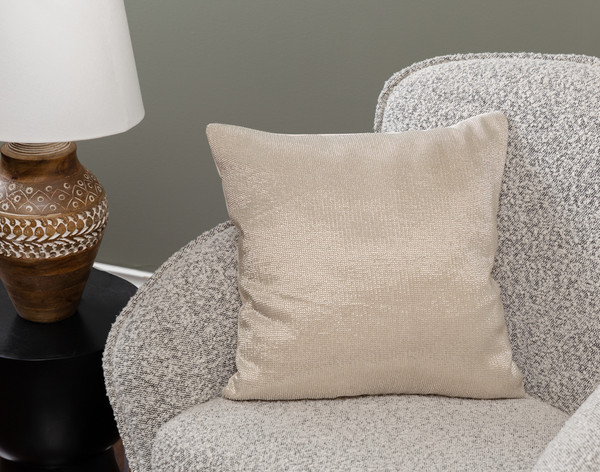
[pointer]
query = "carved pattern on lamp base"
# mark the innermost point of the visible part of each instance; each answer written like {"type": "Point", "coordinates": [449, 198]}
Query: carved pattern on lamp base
{"type": "Point", "coordinates": [53, 212]}
{"type": "Point", "coordinates": [55, 236]}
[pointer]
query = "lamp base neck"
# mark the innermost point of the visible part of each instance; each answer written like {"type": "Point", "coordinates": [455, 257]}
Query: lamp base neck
{"type": "Point", "coordinates": [38, 162]}
{"type": "Point", "coordinates": [38, 148]}
{"type": "Point", "coordinates": [37, 151]}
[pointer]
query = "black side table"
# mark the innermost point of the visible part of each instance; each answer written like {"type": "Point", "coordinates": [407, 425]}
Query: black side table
{"type": "Point", "coordinates": [54, 412]}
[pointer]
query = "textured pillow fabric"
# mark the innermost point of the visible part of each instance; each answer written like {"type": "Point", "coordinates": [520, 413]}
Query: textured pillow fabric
{"type": "Point", "coordinates": [364, 262]}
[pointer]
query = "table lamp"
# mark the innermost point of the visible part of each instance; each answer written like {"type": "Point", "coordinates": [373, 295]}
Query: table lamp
{"type": "Point", "coordinates": [67, 73]}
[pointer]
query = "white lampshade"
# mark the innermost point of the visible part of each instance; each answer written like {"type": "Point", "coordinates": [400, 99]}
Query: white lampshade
{"type": "Point", "coordinates": [67, 71]}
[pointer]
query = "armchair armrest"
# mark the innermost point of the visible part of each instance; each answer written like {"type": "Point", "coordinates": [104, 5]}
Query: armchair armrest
{"type": "Point", "coordinates": [173, 346]}
{"type": "Point", "coordinates": [576, 447]}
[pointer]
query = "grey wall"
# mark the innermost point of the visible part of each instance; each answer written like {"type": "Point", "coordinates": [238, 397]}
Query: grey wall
{"type": "Point", "coordinates": [296, 66]}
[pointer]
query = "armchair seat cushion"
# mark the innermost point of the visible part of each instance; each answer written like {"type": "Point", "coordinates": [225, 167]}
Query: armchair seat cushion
{"type": "Point", "coordinates": [399, 433]}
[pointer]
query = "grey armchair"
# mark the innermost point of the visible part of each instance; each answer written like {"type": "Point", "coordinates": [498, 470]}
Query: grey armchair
{"type": "Point", "coordinates": [172, 349]}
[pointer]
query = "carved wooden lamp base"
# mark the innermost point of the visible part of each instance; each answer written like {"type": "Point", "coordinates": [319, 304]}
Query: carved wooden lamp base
{"type": "Point", "coordinates": [53, 212]}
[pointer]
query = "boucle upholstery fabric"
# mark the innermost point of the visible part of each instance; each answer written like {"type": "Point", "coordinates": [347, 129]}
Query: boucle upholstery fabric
{"type": "Point", "coordinates": [364, 262]}
{"type": "Point", "coordinates": [576, 448]}
{"type": "Point", "coordinates": [147, 389]}
{"type": "Point", "coordinates": [548, 262]}
{"type": "Point", "coordinates": [383, 433]}
{"type": "Point", "coordinates": [173, 346]}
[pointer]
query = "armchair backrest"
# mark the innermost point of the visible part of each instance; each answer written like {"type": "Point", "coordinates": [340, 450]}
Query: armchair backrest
{"type": "Point", "coordinates": [548, 261]}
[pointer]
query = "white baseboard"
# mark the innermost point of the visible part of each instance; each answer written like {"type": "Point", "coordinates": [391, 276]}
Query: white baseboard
{"type": "Point", "coordinates": [136, 277]}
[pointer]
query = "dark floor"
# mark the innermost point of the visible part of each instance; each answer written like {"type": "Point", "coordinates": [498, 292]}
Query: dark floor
{"type": "Point", "coordinates": [119, 455]}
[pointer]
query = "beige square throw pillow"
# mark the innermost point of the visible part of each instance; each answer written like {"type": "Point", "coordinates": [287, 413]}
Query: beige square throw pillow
{"type": "Point", "coordinates": [365, 262]}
